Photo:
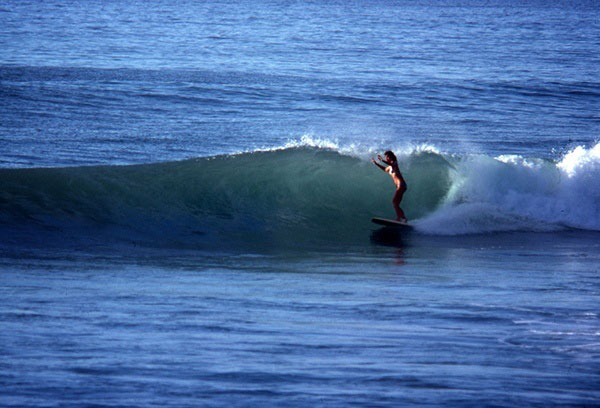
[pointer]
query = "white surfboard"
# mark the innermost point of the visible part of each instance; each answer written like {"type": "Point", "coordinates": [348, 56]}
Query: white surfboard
{"type": "Point", "coordinates": [392, 223]}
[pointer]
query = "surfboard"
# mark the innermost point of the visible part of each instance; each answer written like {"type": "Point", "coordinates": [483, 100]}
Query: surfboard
{"type": "Point", "coordinates": [392, 223]}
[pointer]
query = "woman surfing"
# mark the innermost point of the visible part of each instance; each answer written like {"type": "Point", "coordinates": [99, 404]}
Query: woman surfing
{"type": "Point", "coordinates": [393, 170]}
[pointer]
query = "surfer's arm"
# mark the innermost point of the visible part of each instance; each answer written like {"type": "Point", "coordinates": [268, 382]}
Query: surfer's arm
{"type": "Point", "coordinates": [378, 165]}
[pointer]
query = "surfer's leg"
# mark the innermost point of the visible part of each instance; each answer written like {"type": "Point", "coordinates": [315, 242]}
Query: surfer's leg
{"type": "Point", "coordinates": [400, 216]}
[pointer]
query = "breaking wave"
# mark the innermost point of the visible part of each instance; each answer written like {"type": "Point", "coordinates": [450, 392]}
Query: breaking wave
{"type": "Point", "coordinates": [297, 194]}
{"type": "Point", "coordinates": [512, 193]}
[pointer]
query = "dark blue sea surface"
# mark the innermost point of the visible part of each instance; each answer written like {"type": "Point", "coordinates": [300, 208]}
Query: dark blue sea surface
{"type": "Point", "coordinates": [186, 195]}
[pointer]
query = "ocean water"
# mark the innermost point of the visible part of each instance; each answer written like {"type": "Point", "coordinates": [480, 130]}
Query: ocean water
{"type": "Point", "coordinates": [186, 194]}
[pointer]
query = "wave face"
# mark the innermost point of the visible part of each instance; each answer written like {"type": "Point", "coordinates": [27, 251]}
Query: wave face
{"type": "Point", "coordinates": [295, 196]}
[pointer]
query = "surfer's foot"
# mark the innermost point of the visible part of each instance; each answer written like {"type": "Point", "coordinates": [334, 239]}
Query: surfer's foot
{"type": "Point", "coordinates": [400, 219]}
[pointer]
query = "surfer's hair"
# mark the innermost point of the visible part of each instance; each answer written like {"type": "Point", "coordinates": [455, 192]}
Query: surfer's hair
{"type": "Point", "coordinates": [390, 154]}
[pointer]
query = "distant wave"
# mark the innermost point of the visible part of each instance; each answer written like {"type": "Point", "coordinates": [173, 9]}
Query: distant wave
{"type": "Point", "coordinates": [300, 193]}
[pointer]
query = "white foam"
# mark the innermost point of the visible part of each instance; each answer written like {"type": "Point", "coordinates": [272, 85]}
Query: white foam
{"type": "Point", "coordinates": [312, 141]}
{"type": "Point", "coordinates": [581, 160]}
{"type": "Point", "coordinates": [411, 148]}
{"type": "Point", "coordinates": [305, 140]}
{"type": "Point", "coordinates": [509, 193]}
{"type": "Point", "coordinates": [362, 150]}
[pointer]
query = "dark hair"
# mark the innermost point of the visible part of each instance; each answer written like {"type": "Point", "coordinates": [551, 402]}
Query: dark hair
{"type": "Point", "coordinates": [391, 154]}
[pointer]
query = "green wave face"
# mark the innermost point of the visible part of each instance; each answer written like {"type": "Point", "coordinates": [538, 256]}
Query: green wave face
{"type": "Point", "coordinates": [297, 194]}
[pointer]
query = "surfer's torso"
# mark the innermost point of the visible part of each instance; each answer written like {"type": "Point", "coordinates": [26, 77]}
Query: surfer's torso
{"type": "Point", "coordinates": [394, 171]}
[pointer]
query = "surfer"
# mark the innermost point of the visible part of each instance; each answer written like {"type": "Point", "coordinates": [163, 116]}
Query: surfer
{"type": "Point", "coordinates": [393, 170]}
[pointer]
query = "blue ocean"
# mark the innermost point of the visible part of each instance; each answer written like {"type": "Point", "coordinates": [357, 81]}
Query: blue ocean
{"type": "Point", "coordinates": [186, 196]}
